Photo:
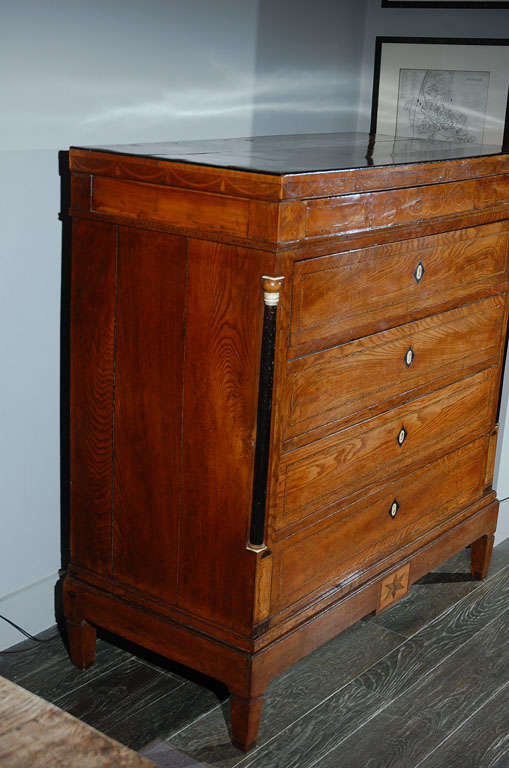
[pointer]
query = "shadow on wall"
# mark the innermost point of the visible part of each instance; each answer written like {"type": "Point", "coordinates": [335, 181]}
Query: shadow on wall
{"type": "Point", "coordinates": [307, 69]}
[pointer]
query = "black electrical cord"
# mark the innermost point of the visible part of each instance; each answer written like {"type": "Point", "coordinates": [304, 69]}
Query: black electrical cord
{"type": "Point", "coordinates": [27, 635]}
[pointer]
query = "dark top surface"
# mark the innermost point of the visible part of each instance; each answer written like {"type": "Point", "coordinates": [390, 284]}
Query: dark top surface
{"type": "Point", "coordinates": [303, 153]}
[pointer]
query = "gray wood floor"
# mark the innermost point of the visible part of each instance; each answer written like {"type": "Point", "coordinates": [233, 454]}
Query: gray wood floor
{"type": "Point", "coordinates": [426, 683]}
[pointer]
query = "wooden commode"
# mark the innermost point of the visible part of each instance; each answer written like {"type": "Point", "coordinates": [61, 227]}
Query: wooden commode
{"type": "Point", "coordinates": [285, 366]}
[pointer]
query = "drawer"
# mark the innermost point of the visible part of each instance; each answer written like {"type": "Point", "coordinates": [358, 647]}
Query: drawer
{"type": "Point", "coordinates": [345, 296]}
{"type": "Point", "coordinates": [365, 531]}
{"type": "Point", "coordinates": [317, 476]}
{"type": "Point", "coordinates": [330, 386]}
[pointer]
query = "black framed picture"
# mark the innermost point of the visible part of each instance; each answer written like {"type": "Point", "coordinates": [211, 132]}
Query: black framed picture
{"type": "Point", "coordinates": [443, 89]}
{"type": "Point", "coordinates": [445, 4]}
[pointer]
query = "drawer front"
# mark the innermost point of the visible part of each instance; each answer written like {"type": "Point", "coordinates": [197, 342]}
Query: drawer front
{"type": "Point", "coordinates": [327, 387]}
{"type": "Point", "coordinates": [493, 190]}
{"type": "Point", "coordinates": [364, 531]}
{"type": "Point", "coordinates": [345, 296]}
{"type": "Point", "coordinates": [348, 213]}
{"type": "Point", "coordinates": [320, 474]}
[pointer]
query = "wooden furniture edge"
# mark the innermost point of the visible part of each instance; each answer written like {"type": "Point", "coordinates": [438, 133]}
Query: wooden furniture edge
{"type": "Point", "coordinates": [296, 185]}
{"type": "Point", "coordinates": [320, 628]}
{"type": "Point", "coordinates": [231, 215]}
{"type": "Point", "coordinates": [316, 602]}
{"type": "Point", "coordinates": [86, 603]}
{"type": "Point", "coordinates": [322, 246]}
{"type": "Point", "coordinates": [185, 175]}
{"type": "Point", "coordinates": [184, 644]}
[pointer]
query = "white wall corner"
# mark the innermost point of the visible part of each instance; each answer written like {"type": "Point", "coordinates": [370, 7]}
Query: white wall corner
{"type": "Point", "coordinates": [32, 607]}
{"type": "Point", "coordinates": [503, 522]}
{"type": "Point", "coordinates": [501, 480]}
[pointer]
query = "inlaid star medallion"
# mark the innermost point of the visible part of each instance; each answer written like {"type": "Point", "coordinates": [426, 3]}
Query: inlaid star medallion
{"type": "Point", "coordinates": [395, 586]}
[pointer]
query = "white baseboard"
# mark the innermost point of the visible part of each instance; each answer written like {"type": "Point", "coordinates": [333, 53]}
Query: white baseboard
{"type": "Point", "coordinates": [503, 522]}
{"type": "Point", "coordinates": [32, 607]}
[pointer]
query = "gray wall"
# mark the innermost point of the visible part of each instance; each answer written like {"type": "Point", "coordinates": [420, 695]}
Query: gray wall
{"type": "Point", "coordinates": [308, 64]}
{"type": "Point", "coordinates": [112, 71]}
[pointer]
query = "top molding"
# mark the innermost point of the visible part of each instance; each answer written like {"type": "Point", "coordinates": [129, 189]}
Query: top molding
{"type": "Point", "coordinates": [292, 167]}
{"type": "Point", "coordinates": [295, 186]}
{"type": "Point", "coordinates": [269, 210]}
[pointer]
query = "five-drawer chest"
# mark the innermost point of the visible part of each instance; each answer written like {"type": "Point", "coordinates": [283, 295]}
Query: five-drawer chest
{"type": "Point", "coordinates": [285, 365]}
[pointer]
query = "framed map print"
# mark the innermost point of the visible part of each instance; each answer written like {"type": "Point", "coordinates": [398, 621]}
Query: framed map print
{"type": "Point", "coordinates": [441, 89]}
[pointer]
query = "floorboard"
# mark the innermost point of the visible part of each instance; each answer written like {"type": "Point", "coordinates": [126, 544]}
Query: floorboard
{"type": "Point", "coordinates": [163, 717]}
{"type": "Point", "coordinates": [482, 741]}
{"type": "Point", "coordinates": [27, 657]}
{"type": "Point", "coordinates": [117, 693]}
{"type": "Point", "coordinates": [407, 730]}
{"type": "Point", "coordinates": [292, 694]}
{"type": "Point", "coordinates": [55, 680]}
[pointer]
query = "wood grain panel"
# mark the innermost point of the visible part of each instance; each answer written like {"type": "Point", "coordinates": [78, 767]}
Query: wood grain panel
{"type": "Point", "coordinates": [493, 190]}
{"type": "Point", "coordinates": [409, 238]}
{"type": "Point", "coordinates": [174, 174]}
{"type": "Point", "coordinates": [373, 370]}
{"type": "Point", "coordinates": [307, 185]}
{"type": "Point", "coordinates": [337, 615]}
{"type": "Point", "coordinates": [223, 343]}
{"type": "Point", "coordinates": [91, 376]}
{"type": "Point", "coordinates": [157, 633]}
{"type": "Point", "coordinates": [319, 474]}
{"type": "Point", "coordinates": [81, 185]}
{"type": "Point", "coordinates": [429, 603]}
{"type": "Point", "coordinates": [263, 589]}
{"type": "Point", "coordinates": [490, 460]}
{"type": "Point", "coordinates": [365, 530]}
{"type": "Point", "coordinates": [189, 209]}
{"type": "Point", "coordinates": [345, 296]}
{"type": "Point", "coordinates": [282, 223]}
{"type": "Point", "coordinates": [386, 209]}
{"type": "Point", "coordinates": [337, 214]}
{"type": "Point", "coordinates": [305, 609]}
{"type": "Point", "coordinates": [263, 220]}
{"type": "Point", "coordinates": [159, 170]}
{"type": "Point", "coordinates": [292, 224]}
{"type": "Point", "coordinates": [148, 398]}
{"type": "Point", "coordinates": [415, 204]}
{"type": "Point", "coordinates": [169, 611]}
